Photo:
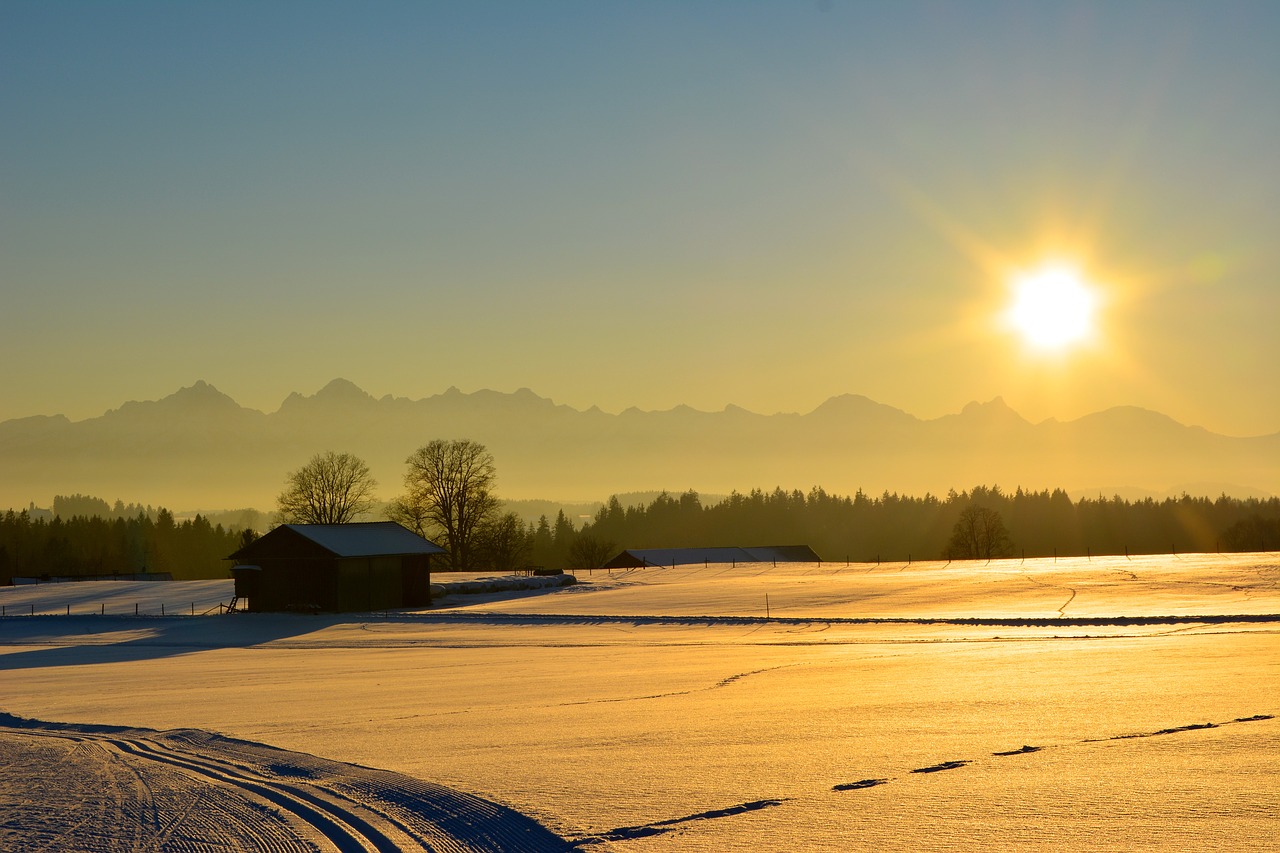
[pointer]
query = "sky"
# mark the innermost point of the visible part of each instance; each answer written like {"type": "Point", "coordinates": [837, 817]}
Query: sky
{"type": "Point", "coordinates": [641, 204]}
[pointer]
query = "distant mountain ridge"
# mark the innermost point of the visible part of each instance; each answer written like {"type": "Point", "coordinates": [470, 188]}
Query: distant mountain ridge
{"type": "Point", "coordinates": [198, 447]}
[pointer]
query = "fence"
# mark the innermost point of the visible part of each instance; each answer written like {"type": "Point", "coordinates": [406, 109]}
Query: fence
{"type": "Point", "coordinates": [137, 609]}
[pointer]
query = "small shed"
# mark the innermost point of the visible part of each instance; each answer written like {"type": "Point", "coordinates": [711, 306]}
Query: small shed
{"type": "Point", "coordinates": [638, 557]}
{"type": "Point", "coordinates": [335, 568]}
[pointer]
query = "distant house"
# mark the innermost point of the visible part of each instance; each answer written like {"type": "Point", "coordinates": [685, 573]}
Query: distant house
{"type": "Point", "coordinates": [635, 558]}
{"type": "Point", "coordinates": [335, 568]}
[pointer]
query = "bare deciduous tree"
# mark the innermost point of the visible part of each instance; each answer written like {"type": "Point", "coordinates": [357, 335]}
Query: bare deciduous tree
{"type": "Point", "coordinates": [505, 543]}
{"type": "Point", "coordinates": [449, 494]}
{"type": "Point", "coordinates": [588, 552]}
{"type": "Point", "coordinates": [333, 488]}
{"type": "Point", "coordinates": [979, 534]}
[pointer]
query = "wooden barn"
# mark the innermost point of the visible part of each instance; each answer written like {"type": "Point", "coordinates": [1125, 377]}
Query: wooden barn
{"type": "Point", "coordinates": [638, 557]}
{"type": "Point", "coordinates": [334, 568]}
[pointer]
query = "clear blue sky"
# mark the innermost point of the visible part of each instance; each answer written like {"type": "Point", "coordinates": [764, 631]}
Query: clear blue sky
{"type": "Point", "coordinates": [642, 204]}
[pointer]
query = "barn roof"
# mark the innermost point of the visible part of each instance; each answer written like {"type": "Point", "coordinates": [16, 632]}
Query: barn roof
{"type": "Point", "coordinates": [692, 556]}
{"type": "Point", "coordinates": [363, 539]}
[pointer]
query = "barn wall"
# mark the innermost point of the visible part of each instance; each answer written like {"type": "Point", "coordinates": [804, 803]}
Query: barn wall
{"type": "Point", "coordinates": [292, 584]}
{"type": "Point", "coordinates": [371, 583]}
{"type": "Point", "coordinates": [416, 581]}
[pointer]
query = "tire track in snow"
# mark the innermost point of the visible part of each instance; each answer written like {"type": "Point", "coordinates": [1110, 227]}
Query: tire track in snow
{"type": "Point", "coordinates": [53, 768]}
{"type": "Point", "coordinates": [347, 833]}
{"type": "Point", "coordinates": [101, 801]}
{"type": "Point", "coordinates": [97, 807]}
{"type": "Point", "coordinates": [259, 798]}
{"type": "Point", "coordinates": [447, 820]}
{"type": "Point", "coordinates": [341, 823]}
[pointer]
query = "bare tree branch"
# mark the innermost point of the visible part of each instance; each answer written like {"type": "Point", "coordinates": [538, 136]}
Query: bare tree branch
{"type": "Point", "coordinates": [979, 534]}
{"type": "Point", "coordinates": [449, 493]}
{"type": "Point", "coordinates": [332, 488]}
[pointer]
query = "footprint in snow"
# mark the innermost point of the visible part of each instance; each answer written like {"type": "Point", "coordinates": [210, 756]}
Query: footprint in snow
{"type": "Point", "coordinates": [945, 765]}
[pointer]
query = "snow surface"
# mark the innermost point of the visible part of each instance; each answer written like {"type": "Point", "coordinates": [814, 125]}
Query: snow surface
{"type": "Point", "coordinates": [1083, 704]}
{"type": "Point", "coordinates": [191, 791]}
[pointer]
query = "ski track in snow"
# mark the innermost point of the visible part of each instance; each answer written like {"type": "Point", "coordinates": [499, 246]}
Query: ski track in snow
{"type": "Point", "coordinates": [102, 788]}
{"type": "Point", "coordinates": [724, 682]}
{"type": "Point", "coordinates": [1062, 611]}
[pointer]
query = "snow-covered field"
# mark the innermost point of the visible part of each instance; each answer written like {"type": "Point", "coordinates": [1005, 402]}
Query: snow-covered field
{"type": "Point", "coordinates": [1079, 705]}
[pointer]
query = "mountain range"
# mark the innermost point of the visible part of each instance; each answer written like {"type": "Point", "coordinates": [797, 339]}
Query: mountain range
{"type": "Point", "coordinates": [199, 448]}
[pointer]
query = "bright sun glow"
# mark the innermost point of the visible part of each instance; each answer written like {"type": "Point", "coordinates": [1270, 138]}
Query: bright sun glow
{"type": "Point", "coordinates": [1052, 308]}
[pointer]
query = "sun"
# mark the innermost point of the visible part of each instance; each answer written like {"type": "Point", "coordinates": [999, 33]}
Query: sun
{"type": "Point", "coordinates": [1052, 308]}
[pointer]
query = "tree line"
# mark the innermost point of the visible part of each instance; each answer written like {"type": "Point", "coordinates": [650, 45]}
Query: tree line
{"type": "Point", "coordinates": [449, 497]}
{"type": "Point", "coordinates": [88, 506]}
{"type": "Point", "coordinates": [900, 527]}
{"type": "Point", "coordinates": [94, 545]}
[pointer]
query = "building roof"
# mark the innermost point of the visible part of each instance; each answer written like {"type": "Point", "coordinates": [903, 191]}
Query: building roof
{"type": "Point", "coordinates": [364, 539]}
{"type": "Point", "coordinates": [692, 556]}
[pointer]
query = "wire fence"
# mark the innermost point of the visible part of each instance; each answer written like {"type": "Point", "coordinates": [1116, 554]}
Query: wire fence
{"type": "Point", "coordinates": [136, 608]}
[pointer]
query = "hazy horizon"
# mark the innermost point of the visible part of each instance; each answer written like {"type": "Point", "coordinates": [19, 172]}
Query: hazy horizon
{"type": "Point", "coordinates": [346, 384]}
{"type": "Point", "coordinates": [198, 448]}
{"type": "Point", "coordinates": [653, 205]}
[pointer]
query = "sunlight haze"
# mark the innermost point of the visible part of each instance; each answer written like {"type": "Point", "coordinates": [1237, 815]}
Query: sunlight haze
{"type": "Point", "coordinates": [532, 427]}
{"type": "Point", "coordinates": [1052, 308]}
{"type": "Point", "coordinates": [648, 205]}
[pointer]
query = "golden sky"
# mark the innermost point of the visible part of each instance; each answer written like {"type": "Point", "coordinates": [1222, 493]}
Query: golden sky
{"type": "Point", "coordinates": [762, 204]}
